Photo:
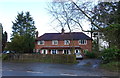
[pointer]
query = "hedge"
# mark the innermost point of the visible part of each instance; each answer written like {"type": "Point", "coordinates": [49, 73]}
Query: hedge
{"type": "Point", "coordinates": [47, 58]}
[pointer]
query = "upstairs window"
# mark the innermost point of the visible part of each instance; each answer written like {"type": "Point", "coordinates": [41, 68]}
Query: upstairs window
{"type": "Point", "coordinates": [66, 42]}
{"type": "Point", "coordinates": [40, 42]}
{"type": "Point", "coordinates": [54, 42]}
{"type": "Point", "coordinates": [82, 42]}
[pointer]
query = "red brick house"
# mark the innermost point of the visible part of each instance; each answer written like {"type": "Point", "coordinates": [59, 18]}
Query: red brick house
{"type": "Point", "coordinates": [63, 43]}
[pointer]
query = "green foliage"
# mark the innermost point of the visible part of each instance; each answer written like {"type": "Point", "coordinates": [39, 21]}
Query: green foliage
{"type": "Point", "coordinates": [89, 54]}
{"type": "Point", "coordinates": [29, 43]}
{"type": "Point", "coordinates": [4, 40]}
{"type": "Point", "coordinates": [112, 66]}
{"type": "Point", "coordinates": [23, 24]}
{"type": "Point", "coordinates": [95, 46]}
{"type": "Point", "coordinates": [106, 13]}
{"type": "Point", "coordinates": [110, 54]}
{"type": "Point", "coordinates": [107, 16]}
{"type": "Point", "coordinates": [45, 58]}
{"type": "Point", "coordinates": [22, 44]}
{"type": "Point", "coordinates": [5, 56]}
{"type": "Point", "coordinates": [114, 35]}
{"type": "Point", "coordinates": [23, 36]}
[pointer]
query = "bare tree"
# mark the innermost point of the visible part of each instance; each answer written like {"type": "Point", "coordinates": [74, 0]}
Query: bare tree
{"type": "Point", "coordinates": [103, 16]}
{"type": "Point", "coordinates": [71, 14]}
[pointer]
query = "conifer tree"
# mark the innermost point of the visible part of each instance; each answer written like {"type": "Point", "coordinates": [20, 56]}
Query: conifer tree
{"type": "Point", "coordinates": [23, 36]}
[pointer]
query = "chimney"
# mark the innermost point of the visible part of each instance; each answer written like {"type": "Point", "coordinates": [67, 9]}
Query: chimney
{"type": "Point", "coordinates": [62, 31]}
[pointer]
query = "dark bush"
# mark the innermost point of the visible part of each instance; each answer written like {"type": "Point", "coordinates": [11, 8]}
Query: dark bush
{"type": "Point", "coordinates": [89, 54]}
{"type": "Point", "coordinates": [5, 57]}
{"type": "Point", "coordinates": [110, 54]}
{"type": "Point", "coordinates": [46, 58]}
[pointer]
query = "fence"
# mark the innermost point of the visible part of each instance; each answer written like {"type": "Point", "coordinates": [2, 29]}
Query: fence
{"type": "Point", "coordinates": [47, 58]}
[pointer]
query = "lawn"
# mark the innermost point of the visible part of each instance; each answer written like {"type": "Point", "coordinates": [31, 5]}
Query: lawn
{"type": "Point", "coordinates": [112, 66]}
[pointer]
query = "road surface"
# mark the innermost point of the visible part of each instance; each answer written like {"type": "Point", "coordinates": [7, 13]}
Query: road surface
{"type": "Point", "coordinates": [83, 68]}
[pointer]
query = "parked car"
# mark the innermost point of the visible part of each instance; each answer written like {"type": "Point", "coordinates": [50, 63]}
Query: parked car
{"type": "Point", "coordinates": [79, 56]}
{"type": "Point", "coordinates": [7, 52]}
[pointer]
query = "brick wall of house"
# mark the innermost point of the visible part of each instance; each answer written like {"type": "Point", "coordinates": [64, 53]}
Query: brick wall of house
{"type": "Point", "coordinates": [87, 46]}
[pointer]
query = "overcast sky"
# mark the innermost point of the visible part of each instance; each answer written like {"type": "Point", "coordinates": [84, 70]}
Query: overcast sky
{"type": "Point", "coordinates": [9, 9]}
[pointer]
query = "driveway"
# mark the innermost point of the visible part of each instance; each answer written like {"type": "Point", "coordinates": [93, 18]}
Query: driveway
{"type": "Point", "coordinates": [86, 67]}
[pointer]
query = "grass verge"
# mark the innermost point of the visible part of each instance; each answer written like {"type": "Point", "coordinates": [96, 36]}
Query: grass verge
{"type": "Point", "coordinates": [112, 66]}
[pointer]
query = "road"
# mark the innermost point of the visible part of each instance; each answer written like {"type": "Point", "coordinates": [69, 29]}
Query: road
{"type": "Point", "coordinates": [83, 68]}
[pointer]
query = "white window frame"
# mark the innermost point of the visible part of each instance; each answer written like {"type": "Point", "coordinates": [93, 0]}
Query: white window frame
{"type": "Point", "coordinates": [55, 51]}
{"type": "Point", "coordinates": [77, 50]}
{"type": "Point", "coordinates": [82, 42]}
{"type": "Point", "coordinates": [37, 50]}
{"type": "Point", "coordinates": [41, 42]}
{"type": "Point", "coordinates": [66, 50]}
{"type": "Point", "coordinates": [54, 42]}
{"type": "Point", "coordinates": [66, 42]}
{"type": "Point", "coordinates": [46, 52]}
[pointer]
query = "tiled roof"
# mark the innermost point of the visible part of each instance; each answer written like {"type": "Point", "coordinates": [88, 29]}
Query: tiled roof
{"type": "Point", "coordinates": [65, 36]}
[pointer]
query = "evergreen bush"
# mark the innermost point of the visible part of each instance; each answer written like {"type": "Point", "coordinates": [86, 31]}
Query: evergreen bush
{"type": "Point", "coordinates": [110, 54]}
{"type": "Point", "coordinates": [89, 54]}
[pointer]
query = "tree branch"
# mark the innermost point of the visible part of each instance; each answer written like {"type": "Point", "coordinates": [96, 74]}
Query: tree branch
{"type": "Point", "coordinates": [86, 15]}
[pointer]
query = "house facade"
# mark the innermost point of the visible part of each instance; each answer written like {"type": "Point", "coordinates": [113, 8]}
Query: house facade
{"type": "Point", "coordinates": [63, 43]}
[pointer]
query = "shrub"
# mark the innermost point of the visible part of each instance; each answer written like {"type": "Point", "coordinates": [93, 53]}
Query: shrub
{"type": "Point", "coordinates": [46, 58]}
{"type": "Point", "coordinates": [4, 56]}
{"type": "Point", "coordinates": [89, 54]}
{"type": "Point", "coordinates": [110, 54]}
